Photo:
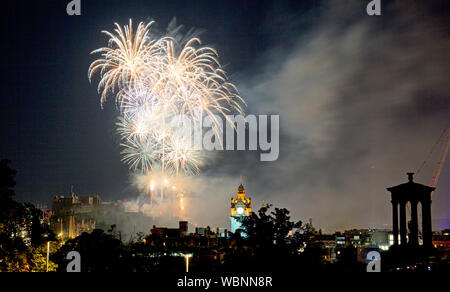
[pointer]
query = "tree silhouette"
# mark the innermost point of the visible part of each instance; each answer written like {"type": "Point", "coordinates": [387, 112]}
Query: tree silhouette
{"type": "Point", "coordinates": [12, 223]}
{"type": "Point", "coordinates": [100, 252]}
{"type": "Point", "coordinates": [268, 242]}
{"type": "Point", "coordinates": [8, 207]}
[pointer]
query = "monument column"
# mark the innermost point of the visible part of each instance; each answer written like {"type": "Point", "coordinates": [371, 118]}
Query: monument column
{"type": "Point", "coordinates": [403, 222]}
{"type": "Point", "coordinates": [414, 193]}
{"type": "Point", "coordinates": [414, 240]}
{"type": "Point", "coordinates": [426, 223]}
{"type": "Point", "coordinates": [395, 221]}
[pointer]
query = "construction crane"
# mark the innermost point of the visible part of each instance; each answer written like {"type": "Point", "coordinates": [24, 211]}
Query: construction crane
{"type": "Point", "coordinates": [441, 161]}
{"type": "Point", "coordinates": [439, 164]}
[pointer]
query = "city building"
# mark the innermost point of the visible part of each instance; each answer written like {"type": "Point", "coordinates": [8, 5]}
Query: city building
{"type": "Point", "coordinates": [71, 215]}
{"type": "Point", "coordinates": [441, 240]}
{"type": "Point", "coordinates": [241, 206]}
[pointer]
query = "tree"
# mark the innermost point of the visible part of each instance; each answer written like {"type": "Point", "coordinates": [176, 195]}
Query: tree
{"type": "Point", "coordinates": [12, 223]}
{"type": "Point", "coordinates": [7, 181]}
{"type": "Point", "coordinates": [39, 259]}
{"type": "Point", "coordinates": [348, 261]}
{"type": "Point", "coordinates": [100, 252]}
{"type": "Point", "coordinates": [268, 239]}
{"type": "Point", "coordinates": [282, 227]}
{"type": "Point", "coordinates": [270, 232]}
{"type": "Point", "coordinates": [20, 225]}
{"type": "Point", "coordinates": [8, 207]}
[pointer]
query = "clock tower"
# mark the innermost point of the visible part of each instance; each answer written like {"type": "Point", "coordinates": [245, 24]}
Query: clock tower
{"type": "Point", "coordinates": [241, 206]}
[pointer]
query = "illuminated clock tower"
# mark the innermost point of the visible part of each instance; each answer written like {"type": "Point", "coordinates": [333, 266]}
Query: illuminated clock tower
{"type": "Point", "coordinates": [241, 206]}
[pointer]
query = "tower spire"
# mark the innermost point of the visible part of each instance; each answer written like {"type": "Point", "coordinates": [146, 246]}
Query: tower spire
{"type": "Point", "coordinates": [241, 206]}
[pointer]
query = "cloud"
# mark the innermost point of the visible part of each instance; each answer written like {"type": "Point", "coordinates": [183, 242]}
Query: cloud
{"type": "Point", "coordinates": [361, 101]}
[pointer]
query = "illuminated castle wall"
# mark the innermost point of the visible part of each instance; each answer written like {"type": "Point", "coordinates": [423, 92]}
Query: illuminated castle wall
{"type": "Point", "coordinates": [72, 215]}
{"type": "Point", "coordinates": [241, 206]}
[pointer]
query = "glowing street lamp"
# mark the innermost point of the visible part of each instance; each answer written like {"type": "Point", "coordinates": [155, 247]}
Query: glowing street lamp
{"type": "Point", "coordinates": [48, 252]}
{"type": "Point", "coordinates": [187, 256]}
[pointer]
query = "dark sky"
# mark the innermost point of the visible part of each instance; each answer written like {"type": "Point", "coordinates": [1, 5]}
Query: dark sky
{"type": "Point", "coordinates": [56, 133]}
{"type": "Point", "coordinates": [361, 101]}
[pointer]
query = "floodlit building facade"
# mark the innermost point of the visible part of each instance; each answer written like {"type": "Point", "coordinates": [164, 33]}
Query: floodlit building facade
{"type": "Point", "coordinates": [241, 206]}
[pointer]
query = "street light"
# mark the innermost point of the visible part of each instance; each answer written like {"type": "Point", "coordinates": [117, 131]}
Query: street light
{"type": "Point", "coordinates": [48, 252]}
{"type": "Point", "coordinates": [187, 256]}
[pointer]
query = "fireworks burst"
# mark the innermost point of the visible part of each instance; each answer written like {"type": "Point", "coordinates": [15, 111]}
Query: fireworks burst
{"type": "Point", "coordinates": [126, 59]}
{"type": "Point", "coordinates": [155, 79]}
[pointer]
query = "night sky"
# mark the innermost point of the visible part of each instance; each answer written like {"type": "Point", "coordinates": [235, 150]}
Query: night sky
{"type": "Point", "coordinates": [361, 100]}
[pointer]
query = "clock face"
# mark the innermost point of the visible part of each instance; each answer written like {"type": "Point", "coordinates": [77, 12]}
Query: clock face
{"type": "Point", "coordinates": [240, 210]}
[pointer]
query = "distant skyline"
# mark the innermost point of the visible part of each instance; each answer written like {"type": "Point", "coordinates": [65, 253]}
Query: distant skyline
{"type": "Point", "coordinates": [362, 100]}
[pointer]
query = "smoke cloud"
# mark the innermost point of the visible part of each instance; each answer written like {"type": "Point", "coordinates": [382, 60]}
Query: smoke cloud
{"type": "Point", "coordinates": [361, 101]}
